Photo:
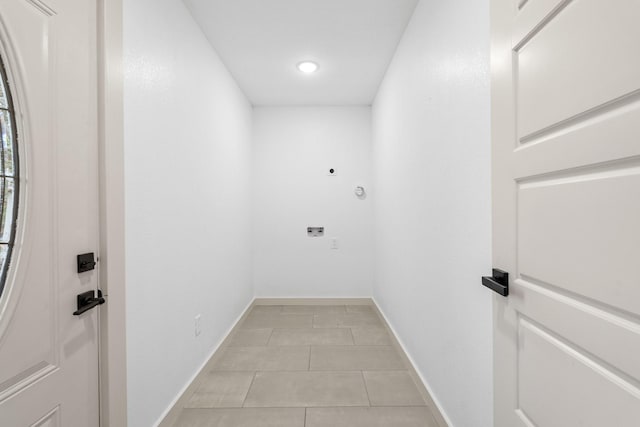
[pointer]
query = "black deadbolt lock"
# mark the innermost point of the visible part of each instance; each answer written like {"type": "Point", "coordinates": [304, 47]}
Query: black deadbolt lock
{"type": "Point", "coordinates": [86, 262]}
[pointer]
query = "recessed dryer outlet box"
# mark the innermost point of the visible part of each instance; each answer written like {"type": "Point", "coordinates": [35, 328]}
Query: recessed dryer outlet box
{"type": "Point", "coordinates": [315, 231]}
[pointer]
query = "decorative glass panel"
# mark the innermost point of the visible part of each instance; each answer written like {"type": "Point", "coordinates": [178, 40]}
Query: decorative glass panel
{"type": "Point", "coordinates": [3, 255]}
{"type": "Point", "coordinates": [4, 103]}
{"type": "Point", "coordinates": [6, 225]}
{"type": "Point", "coordinates": [7, 142]}
{"type": "Point", "coordinates": [2, 210]}
{"type": "Point", "coordinates": [9, 179]}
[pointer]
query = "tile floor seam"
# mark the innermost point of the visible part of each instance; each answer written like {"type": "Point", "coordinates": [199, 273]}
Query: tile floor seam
{"type": "Point", "coordinates": [350, 407]}
{"type": "Point", "coordinates": [353, 338]}
{"type": "Point", "coordinates": [282, 371]}
{"type": "Point", "coordinates": [286, 407]}
{"type": "Point", "coordinates": [366, 390]}
{"type": "Point", "coordinates": [270, 335]}
{"type": "Point", "coordinates": [249, 389]}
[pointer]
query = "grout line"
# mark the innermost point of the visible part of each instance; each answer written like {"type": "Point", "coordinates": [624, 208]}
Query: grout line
{"type": "Point", "coordinates": [364, 381]}
{"type": "Point", "coordinates": [312, 407]}
{"type": "Point", "coordinates": [353, 338]}
{"type": "Point", "coordinates": [270, 335]}
{"type": "Point", "coordinates": [321, 406]}
{"type": "Point", "coordinates": [305, 417]}
{"type": "Point", "coordinates": [333, 371]}
{"type": "Point", "coordinates": [249, 389]}
{"type": "Point", "coordinates": [309, 365]}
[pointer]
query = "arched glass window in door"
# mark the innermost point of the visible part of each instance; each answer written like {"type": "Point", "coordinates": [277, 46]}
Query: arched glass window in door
{"type": "Point", "coordinates": [8, 177]}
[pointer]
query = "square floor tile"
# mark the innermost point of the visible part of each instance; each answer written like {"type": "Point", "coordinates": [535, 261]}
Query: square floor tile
{"type": "Point", "coordinates": [311, 336]}
{"type": "Point", "coordinates": [371, 336]}
{"type": "Point", "coordinates": [250, 337]}
{"type": "Point", "coordinates": [221, 390]}
{"type": "Point", "coordinates": [288, 358]}
{"type": "Point", "coordinates": [395, 388]}
{"type": "Point", "coordinates": [370, 417]}
{"type": "Point", "coordinates": [349, 320]}
{"type": "Point", "coordinates": [245, 417]}
{"type": "Point", "coordinates": [307, 389]}
{"type": "Point", "coordinates": [355, 358]}
{"type": "Point", "coordinates": [266, 321]}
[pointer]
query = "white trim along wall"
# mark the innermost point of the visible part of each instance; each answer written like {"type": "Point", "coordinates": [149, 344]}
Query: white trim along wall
{"type": "Point", "coordinates": [113, 369]}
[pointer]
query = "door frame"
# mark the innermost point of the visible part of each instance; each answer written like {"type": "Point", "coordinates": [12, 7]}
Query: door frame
{"type": "Point", "coordinates": [112, 324]}
{"type": "Point", "coordinates": [503, 222]}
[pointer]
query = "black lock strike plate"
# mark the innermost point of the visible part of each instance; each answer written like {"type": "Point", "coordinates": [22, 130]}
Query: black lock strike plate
{"type": "Point", "coordinates": [86, 262]}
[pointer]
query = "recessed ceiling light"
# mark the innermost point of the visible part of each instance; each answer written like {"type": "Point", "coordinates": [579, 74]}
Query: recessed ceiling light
{"type": "Point", "coordinates": [308, 67]}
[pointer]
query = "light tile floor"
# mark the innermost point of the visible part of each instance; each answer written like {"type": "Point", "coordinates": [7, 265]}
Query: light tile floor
{"type": "Point", "coordinates": [308, 366]}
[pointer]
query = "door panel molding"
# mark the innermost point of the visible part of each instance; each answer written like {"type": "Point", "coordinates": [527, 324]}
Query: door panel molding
{"type": "Point", "coordinates": [581, 374]}
{"type": "Point", "coordinates": [626, 103]}
{"type": "Point", "coordinates": [584, 245]}
{"type": "Point", "coordinates": [26, 378]}
{"type": "Point", "coordinates": [16, 66]}
{"type": "Point", "coordinates": [533, 19]}
{"type": "Point", "coordinates": [585, 321]}
{"type": "Point", "coordinates": [38, 190]}
{"type": "Point", "coordinates": [43, 7]}
{"type": "Point", "coordinates": [613, 138]}
{"type": "Point", "coordinates": [52, 419]}
{"type": "Point", "coordinates": [557, 71]}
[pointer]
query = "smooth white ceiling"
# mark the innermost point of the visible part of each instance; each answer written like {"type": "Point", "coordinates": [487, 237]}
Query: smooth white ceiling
{"type": "Point", "coordinates": [261, 41]}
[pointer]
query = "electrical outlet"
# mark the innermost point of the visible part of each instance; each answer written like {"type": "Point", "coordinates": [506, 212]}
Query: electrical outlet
{"type": "Point", "coordinates": [198, 329]}
{"type": "Point", "coordinates": [334, 243]}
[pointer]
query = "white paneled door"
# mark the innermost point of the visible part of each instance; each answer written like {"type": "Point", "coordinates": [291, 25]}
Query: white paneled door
{"type": "Point", "coordinates": [566, 163]}
{"type": "Point", "coordinates": [48, 356]}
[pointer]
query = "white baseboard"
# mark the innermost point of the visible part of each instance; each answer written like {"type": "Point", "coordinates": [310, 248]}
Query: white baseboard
{"type": "Point", "coordinates": [169, 416]}
{"type": "Point", "coordinates": [444, 417]}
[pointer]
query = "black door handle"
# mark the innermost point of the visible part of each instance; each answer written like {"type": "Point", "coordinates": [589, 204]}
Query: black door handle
{"type": "Point", "coordinates": [499, 282]}
{"type": "Point", "coordinates": [87, 301]}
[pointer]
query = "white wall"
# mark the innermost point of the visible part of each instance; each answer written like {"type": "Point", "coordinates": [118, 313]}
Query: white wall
{"type": "Point", "coordinates": [432, 203]}
{"type": "Point", "coordinates": [187, 179]}
{"type": "Point", "coordinates": [293, 150]}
